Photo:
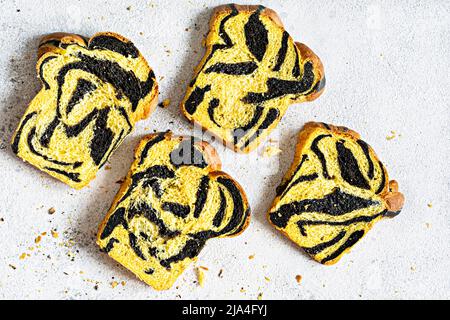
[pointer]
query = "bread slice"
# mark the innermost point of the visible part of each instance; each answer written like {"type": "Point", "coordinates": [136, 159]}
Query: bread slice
{"type": "Point", "coordinates": [334, 192]}
{"type": "Point", "coordinates": [94, 91]}
{"type": "Point", "coordinates": [173, 200]}
{"type": "Point", "coordinates": [251, 72]}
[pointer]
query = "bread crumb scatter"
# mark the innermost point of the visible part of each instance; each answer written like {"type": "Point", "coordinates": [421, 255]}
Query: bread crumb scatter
{"type": "Point", "coordinates": [114, 284]}
{"type": "Point", "coordinates": [242, 290]}
{"type": "Point", "coordinates": [430, 205]}
{"type": "Point", "coordinates": [23, 256]}
{"type": "Point", "coordinates": [298, 278]}
{"type": "Point", "coordinates": [54, 234]}
{"type": "Point", "coordinates": [260, 296]}
{"type": "Point", "coordinates": [251, 257]}
{"type": "Point", "coordinates": [52, 210]}
{"type": "Point", "coordinates": [267, 279]}
{"type": "Point", "coordinates": [107, 167]}
{"type": "Point", "coordinates": [220, 273]}
{"type": "Point", "coordinates": [123, 283]}
{"type": "Point", "coordinates": [38, 239]}
{"type": "Point", "coordinates": [12, 266]}
{"type": "Point", "coordinates": [204, 268]}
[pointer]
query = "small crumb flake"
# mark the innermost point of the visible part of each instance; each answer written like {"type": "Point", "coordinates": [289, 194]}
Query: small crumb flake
{"type": "Point", "coordinates": [298, 278]}
{"type": "Point", "coordinates": [123, 283]}
{"type": "Point", "coordinates": [260, 296]}
{"type": "Point", "coordinates": [23, 256]}
{"type": "Point", "coordinates": [12, 266]}
{"type": "Point", "coordinates": [267, 279]}
{"type": "Point", "coordinates": [114, 284]}
{"type": "Point", "coordinates": [271, 151]}
{"type": "Point", "coordinates": [430, 205]}
{"type": "Point", "coordinates": [204, 268]}
{"type": "Point", "coordinates": [251, 257]}
{"type": "Point", "coordinates": [52, 210]}
{"type": "Point", "coordinates": [54, 234]}
{"type": "Point", "coordinates": [165, 103]}
{"type": "Point", "coordinates": [220, 273]}
{"type": "Point", "coordinates": [392, 136]}
{"type": "Point", "coordinates": [108, 167]}
{"type": "Point", "coordinates": [200, 277]}
{"type": "Point", "coordinates": [38, 239]}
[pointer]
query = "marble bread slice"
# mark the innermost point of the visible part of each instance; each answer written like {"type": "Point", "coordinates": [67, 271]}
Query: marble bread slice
{"type": "Point", "coordinates": [173, 200]}
{"type": "Point", "coordinates": [93, 92]}
{"type": "Point", "coordinates": [334, 192]}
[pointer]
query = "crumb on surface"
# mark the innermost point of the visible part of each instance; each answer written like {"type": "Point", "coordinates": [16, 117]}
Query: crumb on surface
{"type": "Point", "coordinates": [114, 284]}
{"type": "Point", "coordinates": [392, 136]}
{"type": "Point", "coordinates": [164, 104]}
{"type": "Point", "coordinates": [200, 277]}
{"type": "Point", "coordinates": [430, 205]}
{"type": "Point", "coordinates": [298, 278]}
{"type": "Point", "coordinates": [54, 234]}
{"type": "Point", "coordinates": [52, 210]}
{"type": "Point", "coordinates": [271, 151]}
{"type": "Point", "coordinates": [251, 257]}
{"type": "Point", "coordinates": [260, 296]}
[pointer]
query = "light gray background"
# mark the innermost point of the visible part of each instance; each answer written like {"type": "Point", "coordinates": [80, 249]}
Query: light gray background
{"type": "Point", "coordinates": [387, 66]}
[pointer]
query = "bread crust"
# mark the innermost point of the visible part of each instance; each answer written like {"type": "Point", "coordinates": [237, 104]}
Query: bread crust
{"type": "Point", "coordinates": [306, 54]}
{"type": "Point", "coordinates": [392, 199]}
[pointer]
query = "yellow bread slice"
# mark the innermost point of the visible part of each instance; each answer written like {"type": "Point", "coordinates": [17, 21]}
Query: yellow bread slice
{"type": "Point", "coordinates": [173, 200]}
{"type": "Point", "coordinates": [93, 93]}
{"type": "Point", "coordinates": [334, 192]}
{"type": "Point", "coordinates": [251, 72]}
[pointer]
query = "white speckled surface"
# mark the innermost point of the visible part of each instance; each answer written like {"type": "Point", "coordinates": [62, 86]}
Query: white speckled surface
{"type": "Point", "coordinates": [386, 65]}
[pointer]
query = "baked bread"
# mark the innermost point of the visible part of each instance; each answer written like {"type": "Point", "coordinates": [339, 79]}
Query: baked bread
{"type": "Point", "coordinates": [251, 72]}
{"type": "Point", "coordinates": [93, 93]}
{"type": "Point", "coordinates": [173, 200]}
{"type": "Point", "coordinates": [335, 190]}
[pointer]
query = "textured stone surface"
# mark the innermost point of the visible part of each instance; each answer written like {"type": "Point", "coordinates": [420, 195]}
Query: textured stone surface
{"type": "Point", "coordinates": [387, 70]}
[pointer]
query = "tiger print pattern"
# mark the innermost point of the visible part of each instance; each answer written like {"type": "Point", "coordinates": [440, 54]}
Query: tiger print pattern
{"type": "Point", "coordinates": [334, 192]}
{"type": "Point", "coordinates": [173, 200]}
{"type": "Point", "coordinates": [251, 72]}
{"type": "Point", "coordinates": [94, 91]}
